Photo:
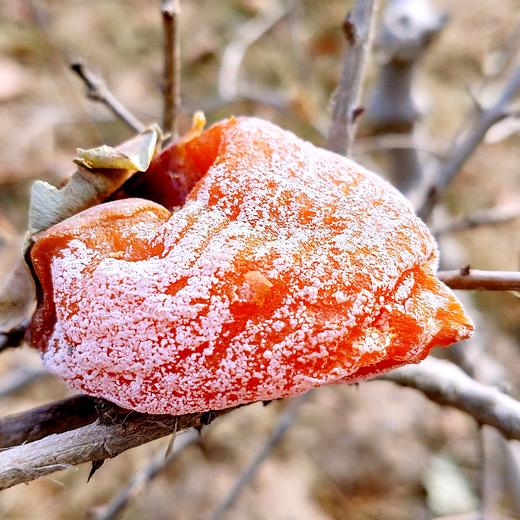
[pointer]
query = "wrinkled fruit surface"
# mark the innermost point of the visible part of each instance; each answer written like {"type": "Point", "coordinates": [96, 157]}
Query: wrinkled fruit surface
{"type": "Point", "coordinates": [287, 267]}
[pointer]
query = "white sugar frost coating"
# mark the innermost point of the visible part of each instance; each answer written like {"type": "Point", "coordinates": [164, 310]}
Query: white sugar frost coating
{"type": "Point", "coordinates": [322, 238]}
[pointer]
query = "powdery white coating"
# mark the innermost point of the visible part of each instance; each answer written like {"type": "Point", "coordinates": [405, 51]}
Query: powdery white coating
{"type": "Point", "coordinates": [288, 267]}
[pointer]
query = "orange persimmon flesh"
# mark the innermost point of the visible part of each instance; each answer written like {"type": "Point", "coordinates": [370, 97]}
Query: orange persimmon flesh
{"type": "Point", "coordinates": [287, 267]}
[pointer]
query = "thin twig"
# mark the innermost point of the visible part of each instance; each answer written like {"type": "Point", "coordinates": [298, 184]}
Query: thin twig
{"type": "Point", "coordinates": [252, 94]}
{"type": "Point", "coordinates": [385, 142]}
{"type": "Point", "coordinates": [476, 280]}
{"type": "Point", "coordinates": [170, 10]}
{"type": "Point", "coordinates": [54, 56]}
{"type": "Point", "coordinates": [483, 217]}
{"type": "Point", "coordinates": [357, 29]}
{"type": "Point", "coordinates": [97, 90]}
{"type": "Point", "coordinates": [138, 484]}
{"type": "Point", "coordinates": [249, 33]}
{"type": "Point", "coordinates": [446, 384]}
{"type": "Point", "coordinates": [468, 143]}
{"type": "Point", "coordinates": [284, 423]}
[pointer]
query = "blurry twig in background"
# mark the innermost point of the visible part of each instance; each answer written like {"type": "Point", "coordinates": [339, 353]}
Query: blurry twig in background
{"type": "Point", "coordinates": [228, 76]}
{"type": "Point", "coordinates": [170, 10]}
{"type": "Point", "coordinates": [140, 480]}
{"type": "Point", "coordinates": [496, 63]}
{"type": "Point", "coordinates": [357, 28]}
{"type": "Point", "coordinates": [490, 471]}
{"type": "Point", "coordinates": [285, 421]}
{"type": "Point", "coordinates": [406, 32]}
{"type": "Point", "coordinates": [446, 384]}
{"type": "Point", "coordinates": [399, 141]}
{"type": "Point", "coordinates": [482, 217]}
{"type": "Point", "coordinates": [474, 515]}
{"type": "Point", "coordinates": [477, 280]}
{"type": "Point", "coordinates": [57, 63]}
{"type": "Point", "coordinates": [97, 90]}
{"type": "Point", "coordinates": [504, 129]}
{"type": "Point", "coordinates": [271, 98]}
{"type": "Point", "coordinates": [466, 144]}
{"type": "Point", "coordinates": [13, 338]}
{"type": "Point", "coordinates": [511, 457]}
{"type": "Point", "coordinates": [17, 380]}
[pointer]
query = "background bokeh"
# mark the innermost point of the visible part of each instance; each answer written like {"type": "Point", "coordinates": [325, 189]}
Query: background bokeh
{"type": "Point", "coordinates": [372, 451]}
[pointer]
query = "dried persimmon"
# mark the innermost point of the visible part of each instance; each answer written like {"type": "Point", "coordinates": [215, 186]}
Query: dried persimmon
{"type": "Point", "coordinates": [286, 267]}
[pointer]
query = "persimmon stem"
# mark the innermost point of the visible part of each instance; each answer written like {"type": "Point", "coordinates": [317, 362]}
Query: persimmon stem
{"type": "Point", "coordinates": [170, 10]}
{"type": "Point", "coordinates": [97, 90]}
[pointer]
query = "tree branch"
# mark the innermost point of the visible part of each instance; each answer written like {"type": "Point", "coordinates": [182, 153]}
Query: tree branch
{"type": "Point", "coordinates": [446, 384]}
{"type": "Point", "coordinates": [483, 217]}
{"type": "Point", "coordinates": [476, 280]}
{"type": "Point", "coordinates": [103, 439]}
{"type": "Point", "coordinates": [48, 419]}
{"type": "Point", "coordinates": [465, 146]}
{"type": "Point", "coordinates": [284, 423]}
{"type": "Point", "coordinates": [440, 381]}
{"type": "Point", "coordinates": [97, 90]}
{"type": "Point", "coordinates": [357, 29]}
{"type": "Point", "coordinates": [170, 10]}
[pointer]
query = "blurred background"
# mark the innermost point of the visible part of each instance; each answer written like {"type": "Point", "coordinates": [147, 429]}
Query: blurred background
{"type": "Point", "coordinates": [373, 451]}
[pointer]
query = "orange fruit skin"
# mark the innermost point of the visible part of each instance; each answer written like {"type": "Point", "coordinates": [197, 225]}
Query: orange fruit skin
{"type": "Point", "coordinates": [287, 267]}
{"type": "Point", "coordinates": [173, 174]}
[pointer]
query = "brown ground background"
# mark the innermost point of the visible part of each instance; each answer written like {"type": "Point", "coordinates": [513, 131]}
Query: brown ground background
{"type": "Point", "coordinates": [368, 452]}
